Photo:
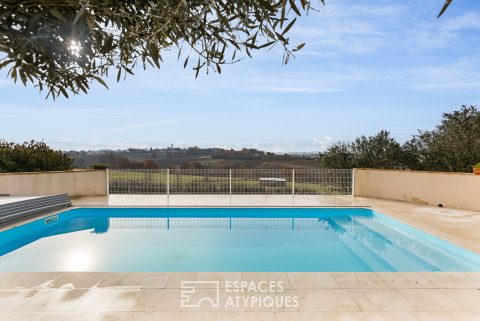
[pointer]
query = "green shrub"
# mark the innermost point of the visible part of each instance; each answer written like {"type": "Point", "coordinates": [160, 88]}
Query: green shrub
{"type": "Point", "coordinates": [99, 166]}
{"type": "Point", "coordinates": [32, 156]}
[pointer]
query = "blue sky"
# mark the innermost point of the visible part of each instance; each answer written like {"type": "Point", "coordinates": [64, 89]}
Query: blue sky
{"type": "Point", "coordinates": [366, 66]}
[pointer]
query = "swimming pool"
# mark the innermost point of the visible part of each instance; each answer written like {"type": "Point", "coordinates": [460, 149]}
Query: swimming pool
{"type": "Point", "coordinates": [226, 239]}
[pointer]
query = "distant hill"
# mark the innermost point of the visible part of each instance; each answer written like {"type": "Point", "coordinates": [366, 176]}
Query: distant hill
{"type": "Point", "coordinates": [193, 157]}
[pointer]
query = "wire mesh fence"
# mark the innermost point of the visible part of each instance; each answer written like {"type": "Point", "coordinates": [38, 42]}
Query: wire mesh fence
{"type": "Point", "coordinates": [262, 181]}
{"type": "Point", "coordinates": [138, 181]}
{"type": "Point", "coordinates": [323, 181]}
{"type": "Point", "coordinates": [199, 181]}
{"type": "Point", "coordinates": [231, 181]}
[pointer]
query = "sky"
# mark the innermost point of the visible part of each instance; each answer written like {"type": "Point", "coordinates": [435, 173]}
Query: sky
{"type": "Point", "coordinates": [366, 66]}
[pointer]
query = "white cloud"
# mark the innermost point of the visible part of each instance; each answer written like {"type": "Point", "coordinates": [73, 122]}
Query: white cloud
{"type": "Point", "coordinates": [377, 10]}
{"type": "Point", "coordinates": [149, 124]}
{"type": "Point", "coordinates": [283, 146]}
{"type": "Point", "coordinates": [248, 80]}
{"type": "Point", "coordinates": [348, 27]}
{"type": "Point", "coordinates": [461, 75]}
{"type": "Point", "coordinates": [408, 48]}
{"type": "Point", "coordinates": [467, 21]}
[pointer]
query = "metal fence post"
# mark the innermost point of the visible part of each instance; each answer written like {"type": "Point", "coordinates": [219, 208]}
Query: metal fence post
{"type": "Point", "coordinates": [230, 185]}
{"type": "Point", "coordinates": [293, 187]}
{"type": "Point", "coordinates": [168, 187]}
{"type": "Point", "coordinates": [108, 181]}
{"type": "Point", "coordinates": [353, 181]}
{"type": "Point", "coordinates": [293, 182]}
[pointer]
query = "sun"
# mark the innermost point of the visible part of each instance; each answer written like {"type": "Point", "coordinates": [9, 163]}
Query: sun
{"type": "Point", "coordinates": [75, 48]}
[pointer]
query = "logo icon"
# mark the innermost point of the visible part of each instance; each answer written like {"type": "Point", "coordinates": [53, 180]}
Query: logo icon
{"type": "Point", "coordinates": [190, 300]}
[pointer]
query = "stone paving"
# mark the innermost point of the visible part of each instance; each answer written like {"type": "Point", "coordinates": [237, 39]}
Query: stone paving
{"type": "Point", "coordinates": [94, 296]}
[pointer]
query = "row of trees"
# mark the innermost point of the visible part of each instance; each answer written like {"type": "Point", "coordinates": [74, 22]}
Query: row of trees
{"type": "Point", "coordinates": [249, 153]}
{"type": "Point", "coordinates": [145, 164]}
{"type": "Point", "coordinates": [32, 157]}
{"type": "Point", "coordinates": [454, 146]}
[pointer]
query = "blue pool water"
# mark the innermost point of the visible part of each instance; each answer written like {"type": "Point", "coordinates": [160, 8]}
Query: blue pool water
{"type": "Point", "coordinates": [226, 239]}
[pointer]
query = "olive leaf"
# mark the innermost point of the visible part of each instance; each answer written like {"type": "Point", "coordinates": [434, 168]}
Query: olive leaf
{"type": "Point", "coordinates": [444, 8]}
{"type": "Point", "coordinates": [62, 46]}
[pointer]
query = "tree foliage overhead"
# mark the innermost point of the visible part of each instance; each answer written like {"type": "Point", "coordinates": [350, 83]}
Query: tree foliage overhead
{"type": "Point", "coordinates": [61, 46]}
{"type": "Point", "coordinates": [32, 157]}
{"type": "Point", "coordinates": [453, 146]}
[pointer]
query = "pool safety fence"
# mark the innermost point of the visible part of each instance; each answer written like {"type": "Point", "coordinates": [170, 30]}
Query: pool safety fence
{"type": "Point", "coordinates": [231, 181]}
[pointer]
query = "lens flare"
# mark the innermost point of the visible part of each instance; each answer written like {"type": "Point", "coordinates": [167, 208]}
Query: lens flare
{"type": "Point", "coordinates": [75, 48]}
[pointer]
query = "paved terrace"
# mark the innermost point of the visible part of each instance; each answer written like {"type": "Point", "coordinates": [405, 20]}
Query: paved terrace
{"type": "Point", "coordinates": [322, 296]}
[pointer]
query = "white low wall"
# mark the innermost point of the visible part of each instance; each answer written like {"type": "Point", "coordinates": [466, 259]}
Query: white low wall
{"type": "Point", "coordinates": [76, 183]}
{"type": "Point", "coordinates": [454, 190]}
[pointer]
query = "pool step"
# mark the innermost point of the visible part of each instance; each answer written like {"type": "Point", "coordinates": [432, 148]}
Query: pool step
{"type": "Point", "coordinates": [15, 211]}
{"type": "Point", "coordinates": [385, 243]}
{"type": "Point", "coordinates": [418, 252]}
